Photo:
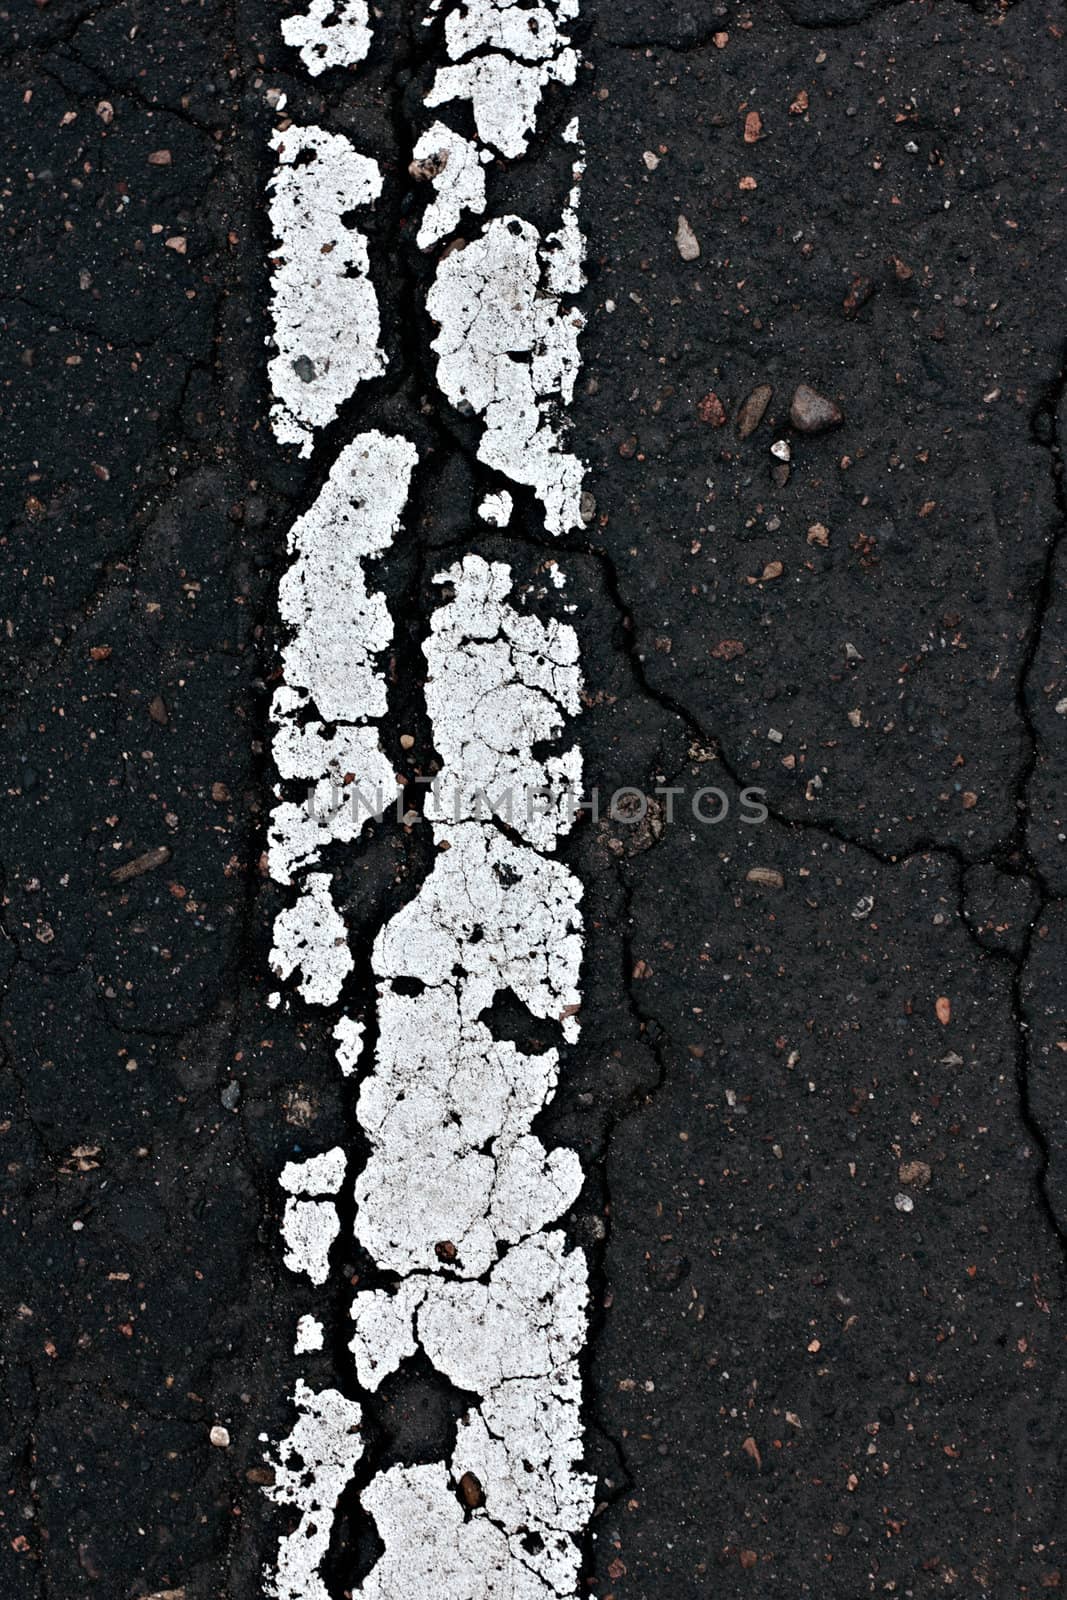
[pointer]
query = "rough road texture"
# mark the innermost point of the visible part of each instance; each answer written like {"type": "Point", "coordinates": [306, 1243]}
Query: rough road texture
{"type": "Point", "coordinates": [821, 1112]}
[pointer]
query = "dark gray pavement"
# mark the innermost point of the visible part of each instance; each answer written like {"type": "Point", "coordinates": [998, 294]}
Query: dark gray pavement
{"type": "Point", "coordinates": [822, 1109]}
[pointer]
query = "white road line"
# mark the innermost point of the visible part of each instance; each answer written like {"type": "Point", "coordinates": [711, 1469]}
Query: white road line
{"type": "Point", "coordinates": [458, 1198]}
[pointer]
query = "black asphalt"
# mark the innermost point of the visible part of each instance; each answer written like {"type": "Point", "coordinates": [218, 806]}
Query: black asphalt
{"type": "Point", "coordinates": [822, 1082]}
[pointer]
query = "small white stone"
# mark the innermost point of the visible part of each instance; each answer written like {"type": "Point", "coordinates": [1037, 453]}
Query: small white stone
{"type": "Point", "coordinates": [904, 1202]}
{"type": "Point", "coordinates": [781, 451]}
{"type": "Point", "coordinates": [686, 240]}
{"type": "Point", "coordinates": [220, 1437]}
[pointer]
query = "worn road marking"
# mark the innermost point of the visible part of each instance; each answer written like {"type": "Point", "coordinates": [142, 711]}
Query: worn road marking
{"type": "Point", "coordinates": [458, 1197]}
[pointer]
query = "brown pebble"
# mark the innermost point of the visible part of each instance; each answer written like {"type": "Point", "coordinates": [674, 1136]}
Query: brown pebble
{"type": "Point", "coordinates": [445, 1250]}
{"type": "Point", "coordinates": [753, 127]}
{"type": "Point", "coordinates": [146, 863]}
{"type": "Point", "coordinates": [811, 412]}
{"type": "Point", "coordinates": [914, 1173]}
{"type": "Point", "coordinates": [157, 710]}
{"type": "Point", "coordinates": [628, 447]}
{"type": "Point", "coordinates": [728, 650]}
{"type": "Point", "coordinates": [766, 877]}
{"type": "Point", "coordinates": [471, 1490]}
{"type": "Point", "coordinates": [819, 534]}
{"type": "Point", "coordinates": [752, 410]}
{"type": "Point", "coordinates": [159, 158]}
{"type": "Point", "coordinates": [219, 791]}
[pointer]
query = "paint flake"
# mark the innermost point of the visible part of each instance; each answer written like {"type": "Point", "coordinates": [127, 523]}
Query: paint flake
{"type": "Point", "coordinates": [323, 1174]}
{"type": "Point", "coordinates": [309, 1228]}
{"type": "Point", "coordinates": [309, 1336]}
{"type": "Point", "coordinates": [349, 1035]}
{"type": "Point", "coordinates": [505, 95]}
{"type": "Point", "coordinates": [496, 509]}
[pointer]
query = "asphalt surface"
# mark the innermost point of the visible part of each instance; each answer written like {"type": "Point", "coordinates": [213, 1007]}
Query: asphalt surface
{"type": "Point", "coordinates": [821, 1110]}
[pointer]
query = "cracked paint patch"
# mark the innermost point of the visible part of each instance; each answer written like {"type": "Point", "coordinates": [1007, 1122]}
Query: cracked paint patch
{"type": "Point", "coordinates": [331, 33]}
{"type": "Point", "coordinates": [310, 938]}
{"type": "Point", "coordinates": [492, 917]}
{"type": "Point", "coordinates": [313, 1466]}
{"type": "Point", "coordinates": [507, 349]}
{"type": "Point", "coordinates": [520, 50]}
{"type": "Point", "coordinates": [324, 306]}
{"type": "Point", "coordinates": [514, 1341]}
{"type": "Point", "coordinates": [340, 627]}
{"type": "Point", "coordinates": [500, 683]}
{"type": "Point", "coordinates": [456, 168]}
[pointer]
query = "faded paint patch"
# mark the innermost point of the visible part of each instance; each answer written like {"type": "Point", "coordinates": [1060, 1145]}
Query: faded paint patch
{"type": "Point", "coordinates": [324, 306]}
{"type": "Point", "coordinates": [331, 33]}
{"type": "Point", "coordinates": [310, 938]}
{"type": "Point", "coordinates": [456, 168]}
{"type": "Point", "coordinates": [501, 682]}
{"type": "Point", "coordinates": [507, 349]}
{"type": "Point", "coordinates": [314, 1465]}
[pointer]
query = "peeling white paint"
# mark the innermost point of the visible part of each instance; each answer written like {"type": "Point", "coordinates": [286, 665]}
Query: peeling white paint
{"type": "Point", "coordinates": [501, 682]}
{"type": "Point", "coordinates": [458, 1196]}
{"type": "Point", "coordinates": [310, 937]}
{"type": "Point", "coordinates": [331, 33]}
{"type": "Point", "coordinates": [327, 1445]}
{"type": "Point", "coordinates": [513, 1341]}
{"type": "Point", "coordinates": [505, 95]}
{"type": "Point", "coordinates": [457, 171]}
{"type": "Point", "coordinates": [340, 626]}
{"type": "Point", "coordinates": [324, 306]}
{"type": "Point", "coordinates": [442, 1086]}
{"type": "Point", "coordinates": [494, 304]}
{"type": "Point", "coordinates": [384, 1336]}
